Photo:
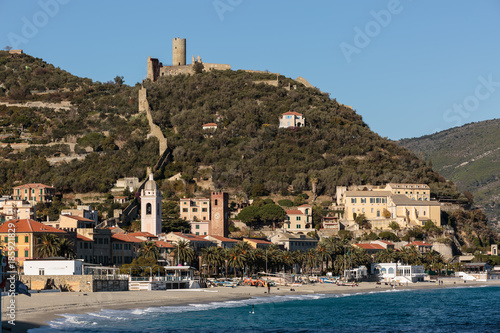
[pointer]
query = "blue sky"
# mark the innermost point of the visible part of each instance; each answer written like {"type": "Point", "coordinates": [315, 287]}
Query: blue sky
{"type": "Point", "coordinates": [410, 68]}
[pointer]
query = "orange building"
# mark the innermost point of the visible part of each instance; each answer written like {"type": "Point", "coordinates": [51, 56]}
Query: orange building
{"type": "Point", "coordinates": [27, 233]}
{"type": "Point", "coordinates": [33, 192]}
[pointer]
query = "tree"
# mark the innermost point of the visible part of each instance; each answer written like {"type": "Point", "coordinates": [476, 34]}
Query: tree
{"type": "Point", "coordinates": [212, 256]}
{"type": "Point", "coordinates": [387, 214]}
{"type": "Point", "coordinates": [183, 251]}
{"type": "Point", "coordinates": [119, 80]}
{"type": "Point", "coordinates": [249, 215]}
{"type": "Point", "coordinates": [66, 248]}
{"type": "Point", "coordinates": [394, 225]}
{"type": "Point", "coordinates": [362, 221]}
{"type": "Point", "coordinates": [198, 67]}
{"type": "Point", "coordinates": [48, 246]}
{"type": "Point", "coordinates": [272, 213]}
{"type": "Point", "coordinates": [387, 235]}
{"type": "Point", "coordinates": [149, 250]}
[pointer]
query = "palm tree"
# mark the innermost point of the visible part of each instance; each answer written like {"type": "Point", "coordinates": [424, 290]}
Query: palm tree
{"type": "Point", "coordinates": [66, 248]}
{"type": "Point", "coordinates": [410, 255]}
{"type": "Point", "coordinates": [149, 250]}
{"type": "Point", "coordinates": [288, 259]}
{"type": "Point", "coordinates": [387, 255]}
{"type": "Point", "coordinates": [236, 258]}
{"type": "Point", "coordinates": [311, 259]}
{"type": "Point", "coordinates": [48, 245]}
{"type": "Point", "coordinates": [183, 251]}
{"type": "Point", "coordinates": [323, 254]}
{"type": "Point", "coordinates": [211, 255]}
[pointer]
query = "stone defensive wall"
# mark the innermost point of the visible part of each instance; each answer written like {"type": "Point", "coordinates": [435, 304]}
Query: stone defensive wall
{"type": "Point", "coordinates": [155, 129]}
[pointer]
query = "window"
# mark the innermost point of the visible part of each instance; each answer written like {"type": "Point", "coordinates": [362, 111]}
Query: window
{"type": "Point", "coordinates": [363, 200]}
{"type": "Point", "coordinates": [41, 271]}
{"type": "Point", "coordinates": [15, 254]}
{"type": "Point", "coordinates": [205, 233]}
{"type": "Point", "coordinates": [204, 210]}
{"type": "Point", "coordinates": [197, 226]}
{"type": "Point", "coordinates": [26, 253]}
{"type": "Point", "coordinates": [391, 270]}
{"type": "Point", "coordinates": [26, 239]}
{"type": "Point", "coordinates": [379, 200]}
{"type": "Point", "coordinates": [6, 239]}
{"type": "Point", "coordinates": [195, 210]}
{"type": "Point", "coordinates": [372, 210]}
{"type": "Point", "coordinates": [378, 213]}
{"type": "Point", "coordinates": [372, 200]}
{"type": "Point", "coordinates": [215, 202]}
{"type": "Point", "coordinates": [85, 245]}
{"type": "Point", "coordinates": [298, 218]}
{"type": "Point", "coordinates": [148, 209]}
{"type": "Point", "coordinates": [298, 226]}
{"type": "Point", "coordinates": [184, 210]}
{"type": "Point", "coordinates": [353, 200]}
{"type": "Point", "coordinates": [197, 233]}
{"type": "Point", "coordinates": [16, 240]}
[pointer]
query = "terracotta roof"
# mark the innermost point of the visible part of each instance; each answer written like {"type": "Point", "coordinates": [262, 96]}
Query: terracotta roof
{"type": "Point", "coordinates": [294, 212]}
{"type": "Point", "coordinates": [143, 234]}
{"type": "Point", "coordinates": [224, 239]}
{"type": "Point", "coordinates": [292, 113]}
{"type": "Point", "coordinates": [190, 237]}
{"type": "Point", "coordinates": [370, 246]}
{"type": "Point", "coordinates": [78, 218]}
{"type": "Point", "coordinates": [126, 238]}
{"type": "Point", "coordinates": [164, 244]}
{"type": "Point", "coordinates": [210, 124]}
{"type": "Point", "coordinates": [257, 241]}
{"type": "Point", "coordinates": [29, 226]}
{"type": "Point", "coordinates": [418, 243]}
{"type": "Point", "coordinates": [33, 185]}
{"type": "Point", "coordinates": [83, 238]}
{"type": "Point", "coordinates": [305, 205]}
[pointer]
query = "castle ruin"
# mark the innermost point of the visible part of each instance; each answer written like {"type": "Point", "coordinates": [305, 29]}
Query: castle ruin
{"type": "Point", "coordinates": [179, 66]}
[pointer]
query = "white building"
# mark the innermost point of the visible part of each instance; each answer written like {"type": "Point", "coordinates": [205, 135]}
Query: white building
{"type": "Point", "coordinates": [395, 272]}
{"type": "Point", "coordinates": [151, 207]}
{"type": "Point", "coordinates": [53, 267]}
{"type": "Point", "coordinates": [292, 119]}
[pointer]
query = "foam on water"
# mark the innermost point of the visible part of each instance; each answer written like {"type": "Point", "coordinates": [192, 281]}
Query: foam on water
{"type": "Point", "coordinates": [130, 320]}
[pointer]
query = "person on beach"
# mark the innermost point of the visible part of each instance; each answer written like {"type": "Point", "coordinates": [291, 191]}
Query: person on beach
{"type": "Point", "coordinates": [268, 288]}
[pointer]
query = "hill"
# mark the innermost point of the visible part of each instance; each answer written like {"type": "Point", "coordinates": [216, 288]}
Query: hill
{"type": "Point", "coordinates": [469, 156]}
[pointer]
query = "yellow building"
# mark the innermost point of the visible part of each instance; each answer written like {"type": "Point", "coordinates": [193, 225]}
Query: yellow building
{"type": "Point", "coordinates": [299, 219]}
{"type": "Point", "coordinates": [195, 209]}
{"type": "Point", "coordinates": [27, 233]}
{"type": "Point", "coordinates": [406, 204]}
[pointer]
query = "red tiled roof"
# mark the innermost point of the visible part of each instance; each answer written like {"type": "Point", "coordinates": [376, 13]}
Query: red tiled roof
{"type": "Point", "coordinates": [190, 237]}
{"type": "Point", "coordinates": [29, 226]}
{"type": "Point", "coordinates": [78, 218]}
{"type": "Point", "coordinates": [32, 185]}
{"type": "Point", "coordinates": [257, 241]}
{"type": "Point", "coordinates": [370, 246]}
{"type": "Point", "coordinates": [224, 239]}
{"type": "Point", "coordinates": [418, 243]}
{"type": "Point", "coordinates": [83, 238]}
{"type": "Point", "coordinates": [164, 244]}
{"type": "Point", "coordinates": [292, 113]}
{"type": "Point", "coordinates": [210, 124]}
{"type": "Point", "coordinates": [294, 212]}
{"type": "Point", "coordinates": [143, 234]}
{"type": "Point", "coordinates": [126, 238]}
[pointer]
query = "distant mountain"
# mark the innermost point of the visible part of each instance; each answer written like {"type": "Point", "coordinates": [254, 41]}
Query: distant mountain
{"type": "Point", "coordinates": [470, 157]}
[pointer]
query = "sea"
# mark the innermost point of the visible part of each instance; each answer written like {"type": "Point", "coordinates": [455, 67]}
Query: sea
{"type": "Point", "coordinates": [464, 309]}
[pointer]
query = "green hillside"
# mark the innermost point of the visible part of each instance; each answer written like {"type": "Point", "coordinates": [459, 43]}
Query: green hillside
{"type": "Point", "coordinates": [470, 157]}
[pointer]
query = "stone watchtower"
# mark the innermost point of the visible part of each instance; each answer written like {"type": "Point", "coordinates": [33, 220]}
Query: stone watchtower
{"type": "Point", "coordinates": [179, 51]}
{"type": "Point", "coordinates": [219, 221]}
{"type": "Point", "coordinates": [151, 207]}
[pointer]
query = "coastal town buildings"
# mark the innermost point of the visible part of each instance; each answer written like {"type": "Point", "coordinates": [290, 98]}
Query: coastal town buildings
{"type": "Point", "coordinates": [11, 209]}
{"type": "Point", "coordinates": [395, 272]}
{"type": "Point", "coordinates": [151, 207]}
{"type": "Point", "coordinates": [33, 193]}
{"type": "Point", "coordinates": [207, 216]}
{"type": "Point", "coordinates": [299, 219]}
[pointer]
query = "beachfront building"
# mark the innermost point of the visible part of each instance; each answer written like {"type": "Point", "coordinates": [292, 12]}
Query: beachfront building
{"type": "Point", "coordinates": [371, 249]}
{"type": "Point", "coordinates": [292, 242]}
{"type": "Point", "coordinates": [257, 243]}
{"type": "Point", "coordinates": [33, 193]}
{"type": "Point", "coordinates": [406, 204]}
{"type": "Point", "coordinates": [124, 248]}
{"type": "Point", "coordinates": [26, 236]}
{"type": "Point", "coordinates": [53, 266]}
{"type": "Point", "coordinates": [396, 272]}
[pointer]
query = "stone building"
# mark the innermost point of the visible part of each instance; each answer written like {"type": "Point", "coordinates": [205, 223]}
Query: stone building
{"type": "Point", "coordinates": [156, 69]}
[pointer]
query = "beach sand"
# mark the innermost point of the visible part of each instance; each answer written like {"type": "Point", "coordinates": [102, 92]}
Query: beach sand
{"type": "Point", "coordinates": [37, 310]}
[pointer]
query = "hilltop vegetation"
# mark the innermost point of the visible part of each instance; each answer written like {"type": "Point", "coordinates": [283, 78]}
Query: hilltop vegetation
{"type": "Point", "coordinates": [469, 156]}
{"type": "Point", "coordinates": [248, 150]}
{"type": "Point", "coordinates": [247, 153]}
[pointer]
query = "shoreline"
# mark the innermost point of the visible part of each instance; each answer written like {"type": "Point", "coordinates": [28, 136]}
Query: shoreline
{"type": "Point", "coordinates": [41, 308]}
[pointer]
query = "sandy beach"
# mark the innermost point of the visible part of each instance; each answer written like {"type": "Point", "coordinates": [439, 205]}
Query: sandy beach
{"type": "Point", "coordinates": [37, 310]}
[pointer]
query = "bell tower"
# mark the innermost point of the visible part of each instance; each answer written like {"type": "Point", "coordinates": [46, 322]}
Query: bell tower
{"type": "Point", "coordinates": [219, 221]}
{"type": "Point", "coordinates": [151, 207]}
